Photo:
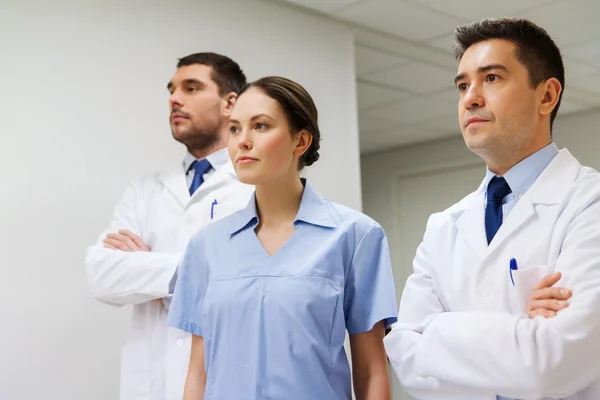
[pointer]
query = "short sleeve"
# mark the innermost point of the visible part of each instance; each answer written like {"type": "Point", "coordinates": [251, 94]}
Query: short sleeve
{"type": "Point", "coordinates": [370, 294]}
{"type": "Point", "coordinates": [185, 311]}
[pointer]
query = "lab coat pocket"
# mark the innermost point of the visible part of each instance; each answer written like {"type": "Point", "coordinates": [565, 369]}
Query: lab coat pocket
{"type": "Point", "coordinates": [524, 281]}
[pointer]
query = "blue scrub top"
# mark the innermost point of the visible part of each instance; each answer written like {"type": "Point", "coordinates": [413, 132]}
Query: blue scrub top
{"type": "Point", "coordinates": [274, 326]}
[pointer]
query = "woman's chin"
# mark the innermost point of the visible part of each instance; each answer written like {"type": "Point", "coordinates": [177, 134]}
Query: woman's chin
{"type": "Point", "coordinates": [248, 178]}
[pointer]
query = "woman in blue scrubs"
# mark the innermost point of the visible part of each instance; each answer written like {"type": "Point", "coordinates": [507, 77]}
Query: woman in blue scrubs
{"type": "Point", "coordinates": [269, 292]}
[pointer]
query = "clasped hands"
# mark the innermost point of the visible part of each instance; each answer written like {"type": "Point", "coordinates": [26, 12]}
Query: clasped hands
{"type": "Point", "coordinates": [546, 299]}
{"type": "Point", "coordinates": [124, 241]}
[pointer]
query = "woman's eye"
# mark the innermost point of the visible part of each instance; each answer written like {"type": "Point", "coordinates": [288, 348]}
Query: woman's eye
{"type": "Point", "coordinates": [492, 77]}
{"type": "Point", "coordinates": [261, 126]}
{"type": "Point", "coordinates": [233, 129]}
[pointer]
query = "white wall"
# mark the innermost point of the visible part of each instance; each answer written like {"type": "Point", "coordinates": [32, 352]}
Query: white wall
{"type": "Point", "coordinates": [83, 109]}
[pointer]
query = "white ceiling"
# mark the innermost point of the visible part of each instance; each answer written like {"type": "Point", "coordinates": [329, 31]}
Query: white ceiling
{"type": "Point", "coordinates": [405, 70]}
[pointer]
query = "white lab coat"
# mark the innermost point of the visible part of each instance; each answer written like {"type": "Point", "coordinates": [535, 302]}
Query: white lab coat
{"type": "Point", "coordinates": [159, 209]}
{"type": "Point", "coordinates": [462, 331]}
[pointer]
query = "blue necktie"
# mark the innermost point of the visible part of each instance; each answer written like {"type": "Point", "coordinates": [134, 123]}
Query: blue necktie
{"type": "Point", "coordinates": [496, 191]}
{"type": "Point", "coordinates": [200, 168]}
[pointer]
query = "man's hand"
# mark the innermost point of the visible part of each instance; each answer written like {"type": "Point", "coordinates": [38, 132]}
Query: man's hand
{"type": "Point", "coordinates": [124, 241]}
{"type": "Point", "coordinates": [546, 300]}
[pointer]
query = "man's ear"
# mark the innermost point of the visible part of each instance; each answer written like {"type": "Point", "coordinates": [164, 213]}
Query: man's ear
{"type": "Point", "coordinates": [230, 100]}
{"type": "Point", "coordinates": [550, 95]}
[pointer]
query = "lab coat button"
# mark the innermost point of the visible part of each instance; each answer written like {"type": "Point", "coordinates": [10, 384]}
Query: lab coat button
{"type": "Point", "coordinates": [179, 342]}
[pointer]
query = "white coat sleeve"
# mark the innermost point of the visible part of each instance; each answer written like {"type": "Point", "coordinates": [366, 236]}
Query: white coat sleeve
{"type": "Point", "coordinates": [120, 278]}
{"type": "Point", "coordinates": [418, 306]}
{"type": "Point", "coordinates": [518, 357]}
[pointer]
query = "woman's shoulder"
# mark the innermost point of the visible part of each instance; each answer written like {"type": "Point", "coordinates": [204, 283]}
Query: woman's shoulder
{"type": "Point", "coordinates": [351, 219]}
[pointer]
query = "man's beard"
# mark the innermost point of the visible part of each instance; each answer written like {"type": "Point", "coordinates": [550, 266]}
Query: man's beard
{"type": "Point", "coordinates": [198, 139]}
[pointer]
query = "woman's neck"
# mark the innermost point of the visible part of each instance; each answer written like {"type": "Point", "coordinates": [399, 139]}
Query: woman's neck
{"type": "Point", "coordinates": [278, 203]}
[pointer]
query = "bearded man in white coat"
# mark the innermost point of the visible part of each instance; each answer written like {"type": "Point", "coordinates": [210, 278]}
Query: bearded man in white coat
{"type": "Point", "coordinates": [465, 329]}
{"type": "Point", "coordinates": [135, 260]}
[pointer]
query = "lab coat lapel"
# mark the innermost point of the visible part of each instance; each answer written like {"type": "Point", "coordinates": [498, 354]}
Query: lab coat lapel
{"type": "Point", "coordinates": [470, 222]}
{"type": "Point", "coordinates": [521, 214]}
{"type": "Point", "coordinates": [549, 189]}
{"type": "Point", "coordinates": [175, 182]}
{"type": "Point", "coordinates": [554, 183]}
{"type": "Point", "coordinates": [221, 177]}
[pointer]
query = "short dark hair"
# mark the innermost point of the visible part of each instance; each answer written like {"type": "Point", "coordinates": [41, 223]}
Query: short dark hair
{"type": "Point", "coordinates": [535, 48]}
{"type": "Point", "coordinates": [227, 74]}
{"type": "Point", "coordinates": [299, 109]}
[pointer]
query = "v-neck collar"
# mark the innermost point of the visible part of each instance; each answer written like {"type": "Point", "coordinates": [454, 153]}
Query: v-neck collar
{"type": "Point", "coordinates": [313, 210]}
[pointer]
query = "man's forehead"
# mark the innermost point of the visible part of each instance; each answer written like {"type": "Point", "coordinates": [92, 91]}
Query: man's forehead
{"type": "Point", "coordinates": [197, 72]}
{"type": "Point", "coordinates": [488, 52]}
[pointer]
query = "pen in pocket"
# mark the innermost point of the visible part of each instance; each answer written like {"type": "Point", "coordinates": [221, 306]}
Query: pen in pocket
{"type": "Point", "coordinates": [513, 267]}
{"type": "Point", "coordinates": [212, 209]}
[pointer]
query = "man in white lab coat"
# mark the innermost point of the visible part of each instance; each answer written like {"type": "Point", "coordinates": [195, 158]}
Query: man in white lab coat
{"type": "Point", "coordinates": [463, 331]}
{"type": "Point", "coordinates": [135, 259]}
